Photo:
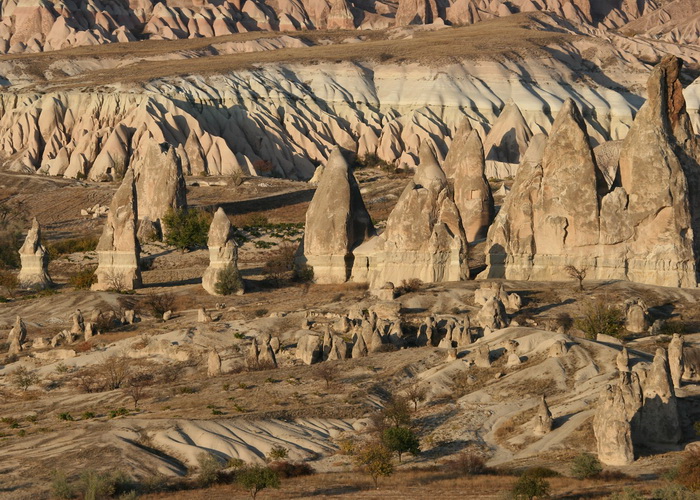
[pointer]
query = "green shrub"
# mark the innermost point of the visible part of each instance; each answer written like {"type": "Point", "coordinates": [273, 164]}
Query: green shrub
{"type": "Point", "coordinates": [600, 317]}
{"type": "Point", "coordinates": [229, 280]}
{"type": "Point", "coordinates": [64, 247]}
{"type": "Point", "coordinates": [585, 466]}
{"type": "Point", "coordinates": [186, 229]}
{"type": "Point", "coordinates": [674, 492]}
{"type": "Point", "coordinates": [529, 486]}
{"type": "Point", "coordinates": [375, 460]}
{"type": "Point", "coordinates": [88, 415]}
{"type": "Point", "coordinates": [65, 416]}
{"type": "Point", "coordinates": [279, 266]}
{"type": "Point", "coordinates": [209, 469]}
{"type": "Point", "coordinates": [255, 478]}
{"type": "Point", "coordinates": [278, 452]}
{"type": "Point", "coordinates": [83, 279]}
{"type": "Point", "coordinates": [303, 274]}
{"type": "Point", "coordinates": [287, 469]}
{"type": "Point", "coordinates": [9, 282]}
{"type": "Point", "coordinates": [401, 440]}
{"type": "Point", "coordinates": [10, 243]}
{"type": "Point", "coordinates": [60, 487]}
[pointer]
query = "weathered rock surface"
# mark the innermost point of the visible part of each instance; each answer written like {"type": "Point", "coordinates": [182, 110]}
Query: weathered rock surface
{"type": "Point", "coordinates": [35, 261]}
{"type": "Point", "coordinates": [213, 364]}
{"type": "Point", "coordinates": [160, 185]}
{"type": "Point", "coordinates": [543, 420]}
{"type": "Point", "coordinates": [465, 169]}
{"type": "Point", "coordinates": [118, 250]}
{"type": "Point", "coordinates": [423, 237]}
{"type": "Point", "coordinates": [561, 211]}
{"type": "Point", "coordinates": [658, 421]}
{"type": "Point", "coordinates": [310, 348]}
{"type": "Point", "coordinates": [223, 251]}
{"type": "Point", "coordinates": [336, 223]}
{"type": "Point", "coordinates": [676, 359]}
{"type": "Point", "coordinates": [617, 406]}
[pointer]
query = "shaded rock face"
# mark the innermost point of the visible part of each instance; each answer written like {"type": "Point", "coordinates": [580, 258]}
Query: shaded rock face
{"type": "Point", "coordinates": [35, 261]}
{"type": "Point", "coordinates": [423, 237]}
{"type": "Point", "coordinates": [563, 210]}
{"type": "Point", "coordinates": [336, 223]}
{"type": "Point", "coordinates": [617, 407]}
{"type": "Point", "coordinates": [676, 359]}
{"type": "Point", "coordinates": [464, 167]}
{"type": "Point", "coordinates": [509, 136]}
{"type": "Point", "coordinates": [17, 335]}
{"type": "Point", "coordinates": [160, 185]}
{"type": "Point", "coordinates": [223, 250]}
{"type": "Point", "coordinates": [118, 250]}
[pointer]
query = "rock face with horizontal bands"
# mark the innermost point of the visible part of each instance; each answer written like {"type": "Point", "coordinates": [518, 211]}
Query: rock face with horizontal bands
{"type": "Point", "coordinates": [423, 237]}
{"type": "Point", "coordinates": [336, 223]}
{"type": "Point", "coordinates": [636, 220]}
{"type": "Point", "coordinates": [223, 251]}
{"type": "Point", "coordinates": [464, 167]}
{"type": "Point", "coordinates": [35, 261]}
{"type": "Point", "coordinates": [118, 250]}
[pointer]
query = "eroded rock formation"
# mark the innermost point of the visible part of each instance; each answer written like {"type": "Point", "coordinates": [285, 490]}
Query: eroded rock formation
{"type": "Point", "coordinates": [561, 211]}
{"type": "Point", "coordinates": [336, 223]}
{"type": "Point", "coordinates": [118, 250]}
{"type": "Point", "coordinates": [35, 261]}
{"type": "Point", "coordinates": [223, 251]}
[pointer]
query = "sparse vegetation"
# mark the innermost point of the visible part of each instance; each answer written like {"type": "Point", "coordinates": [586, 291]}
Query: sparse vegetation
{"type": "Point", "coordinates": [401, 440]}
{"type": "Point", "coordinates": [374, 459]}
{"type": "Point", "coordinates": [416, 394]}
{"type": "Point", "coordinates": [468, 463]}
{"type": "Point", "coordinates": [600, 317]}
{"type": "Point", "coordinates": [576, 274]}
{"type": "Point", "coordinates": [159, 303]}
{"type": "Point", "coordinates": [256, 478]}
{"type": "Point", "coordinates": [688, 472]}
{"type": "Point", "coordinates": [210, 469]}
{"type": "Point", "coordinates": [327, 371]}
{"type": "Point", "coordinates": [229, 280]}
{"type": "Point", "coordinates": [83, 279]}
{"type": "Point", "coordinates": [530, 485]}
{"type": "Point", "coordinates": [23, 378]}
{"type": "Point", "coordinates": [58, 248]}
{"type": "Point", "coordinates": [277, 452]}
{"type": "Point", "coordinates": [585, 466]}
{"type": "Point", "coordinates": [186, 229]}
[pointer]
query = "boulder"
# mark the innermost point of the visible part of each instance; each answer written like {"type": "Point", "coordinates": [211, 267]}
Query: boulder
{"type": "Point", "coordinates": [492, 315]}
{"type": "Point", "coordinates": [34, 273]}
{"type": "Point", "coordinates": [213, 364]}
{"type": "Point", "coordinates": [359, 349]}
{"type": "Point", "coordinates": [223, 252]}
{"type": "Point", "coordinates": [622, 360]}
{"type": "Point", "coordinates": [543, 420]}
{"type": "Point", "coordinates": [18, 333]}
{"type": "Point", "coordinates": [309, 349]}
{"type": "Point", "coordinates": [336, 223]}
{"type": "Point", "coordinates": [483, 357]}
{"type": "Point", "coordinates": [118, 250]}
{"type": "Point", "coordinates": [636, 316]}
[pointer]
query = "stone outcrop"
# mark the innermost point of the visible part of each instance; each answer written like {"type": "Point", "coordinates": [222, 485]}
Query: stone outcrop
{"type": "Point", "coordinates": [658, 417]}
{"type": "Point", "coordinates": [213, 364]}
{"type": "Point", "coordinates": [17, 336]}
{"type": "Point", "coordinates": [543, 420]}
{"type": "Point", "coordinates": [336, 223]}
{"type": "Point", "coordinates": [118, 250]}
{"type": "Point", "coordinates": [636, 316]}
{"type": "Point", "coordinates": [676, 359]}
{"type": "Point", "coordinates": [509, 137]}
{"type": "Point", "coordinates": [465, 169]}
{"type": "Point", "coordinates": [617, 407]}
{"type": "Point", "coordinates": [35, 261]}
{"type": "Point", "coordinates": [223, 251]}
{"type": "Point", "coordinates": [492, 314]}
{"type": "Point", "coordinates": [309, 349]}
{"type": "Point", "coordinates": [561, 210]}
{"type": "Point", "coordinates": [423, 237]}
{"type": "Point", "coordinates": [160, 185]}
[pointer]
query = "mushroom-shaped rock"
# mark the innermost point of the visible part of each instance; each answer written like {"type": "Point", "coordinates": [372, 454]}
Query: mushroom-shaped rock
{"type": "Point", "coordinates": [336, 223]}
{"type": "Point", "coordinates": [118, 250]}
{"type": "Point", "coordinates": [223, 257]}
{"type": "Point", "coordinates": [35, 261]}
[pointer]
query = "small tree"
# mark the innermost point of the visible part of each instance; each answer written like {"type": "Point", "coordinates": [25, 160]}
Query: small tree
{"type": "Point", "coordinates": [228, 280]}
{"type": "Point", "coordinates": [327, 371]}
{"type": "Point", "coordinates": [255, 478]}
{"type": "Point", "coordinates": [576, 274]}
{"type": "Point", "coordinates": [375, 459]}
{"type": "Point", "coordinates": [530, 486]}
{"type": "Point", "coordinates": [116, 370]}
{"type": "Point", "coordinates": [159, 303]}
{"type": "Point", "coordinates": [585, 465]}
{"type": "Point", "coordinates": [209, 469]}
{"type": "Point", "coordinates": [186, 229]}
{"type": "Point", "coordinates": [415, 394]}
{"type": "Point", "coordinates": [401, 440]}
{"type": "Point", "coordinates": [136, 386]}
{"type": "Point", "coordinates": [397, 411]}
{"type": "Point", "coordinates": [23, 378]}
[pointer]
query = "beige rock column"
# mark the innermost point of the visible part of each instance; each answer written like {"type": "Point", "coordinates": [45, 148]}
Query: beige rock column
{"type": "Point", "coordinates": [223, 251]}
{"type": "Point", "coordinates": [35, 261]}
{"type": "Point", "coordinates": [118, 250]}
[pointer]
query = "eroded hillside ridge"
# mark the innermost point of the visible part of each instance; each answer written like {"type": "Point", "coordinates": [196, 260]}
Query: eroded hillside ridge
{"type": "Point", "coordinates": [631, 213]}
{"type": "Point", "coordinates": [284, 120]}
{"type": "Point", "coordinates": [33, 26]}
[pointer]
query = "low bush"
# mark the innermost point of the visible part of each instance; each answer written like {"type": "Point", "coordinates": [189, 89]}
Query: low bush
{"type": "Point", "coordinates": [468, 463]}
{"type": "Point", "coordinates": [159, 303]}
{"type": "Point", "coordinates": [186, 229]}
{"type": "Point", "coordinates": [277, 452]}
{"type": "Point", "coordinates": [256, 478]}
{"type": "Point", "coordinates": [209, 470]}
{"type": "Point", "coordinates": [228, 280]}
{"type": "Point", "coordinates": [585, 466]}
{"type": "Point", "coordinates": [68, 246]}
{"type": "Point", "coordinates": [83, 279]}
{"type": "Point", "coordinates": [410, 286]}
{"type": "Point", "coordinates": [287, 469]}
{"type": "Point", "coordinates": [600, 317]}
{"type": "Point", "coordinates": [529, 486]}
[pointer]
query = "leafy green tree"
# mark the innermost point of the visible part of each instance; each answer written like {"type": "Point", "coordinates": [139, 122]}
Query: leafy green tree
{"type": "Point", "coordinates": [186, 229]}
{"type": "Point", "coordinates": [529, 486]}
{"type": "Point", "coordinates": [255, 478]}
{"type": "Point", "coordinates": [585, 465]}
{"type": "Point", "coordinates": [401, 440]}
{"type": "Point", "coordinates": [398, 411]}
{"type": "Point", "coordinates": [375, 459]}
